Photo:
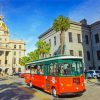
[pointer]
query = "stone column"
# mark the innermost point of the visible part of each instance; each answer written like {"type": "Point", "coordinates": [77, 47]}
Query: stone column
{"type": "Point", "coordinates": [10, 61]}
{"type": "Point", "coordinates": [3, 59]}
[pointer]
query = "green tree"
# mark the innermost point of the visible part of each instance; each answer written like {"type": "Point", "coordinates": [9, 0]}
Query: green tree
{"type": "Point", "coordinates": [33, 55]}
{"type": "Point", "coordinates": [24, 60]}
{"type": "Point", "coordinates": [61, 24]}
{"type": "Point", "coordinates": [43, 48]}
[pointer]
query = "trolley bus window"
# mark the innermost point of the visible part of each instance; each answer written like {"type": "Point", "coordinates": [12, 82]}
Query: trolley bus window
{"type": "Point", "coordinates": [40, 70]}
{"type": "Point", "coordinates": [34, 69]}
{"type": "Point", "coordinates": [53, 69]}
{"type": "Point", "coordinates": [79, 68]}
{"type": "Point", "coordinates": [27, 68]}
{"type": "Point", "coordinates": [70, 69]}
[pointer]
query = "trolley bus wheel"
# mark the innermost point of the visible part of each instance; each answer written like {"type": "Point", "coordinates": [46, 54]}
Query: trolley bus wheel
{"type": "Point", "coordinates": [54, 92]}
{"type": "Point", "coordinates": [30, 84]}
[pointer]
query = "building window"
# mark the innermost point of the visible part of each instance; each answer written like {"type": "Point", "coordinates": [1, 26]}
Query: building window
{"type": "Point", "coordinates": [20, 46]}
{"type": "Point", "coordinates": [71, 53]}
{"type": "Point", "coordinates": [80, 53]}
{"type": "Point", "coordinates": [98, 54]}
{"type": "Point", "coordinates": [0, 44]}
{"type": "Point", "coordinates": [14, 52]}
{"type": "Point", "coordinates": [5, 61]}
{"type": "Point", "coordinates": [14, 46]}
{"type": "Point", "coordinates": [1, 53]}
{"type": "Point", "coordinates": [14, 60]}
{"type": "Point", "coordinates": [99, 68]}
{"type": "Point", "coordinates": [19, 53]}
{"type": "Point", "coordinates": [19, 69]}
{"type": "Point", "coordinates": [19, 60]}
{"type": "Point", "coordinates": [70, 37]}
{"type": "Point", "coordinates": [86, 39]}
{"type": "Point", "coordinates": [97, 38]}
{"type": "Point", "coordinates": [50, 42]}
{"type": "Point", "coordinates": [0, 62]}
{"type": "Point", "coordinates": [90, 68]}
{"type": "Point", "coordinates": [7, 45]}
{"type": "Point", "coordinates": [54, 40]}
{"type": "Point", "coordinates": [88, 55]}
{"type": "Point", "coordinates": [7, 53]}
{"type": "Point", "coordinates": [79, 38]}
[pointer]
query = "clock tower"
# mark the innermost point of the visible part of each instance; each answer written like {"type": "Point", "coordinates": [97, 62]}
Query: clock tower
{"type": "Point", "coordinates": [4, 34]}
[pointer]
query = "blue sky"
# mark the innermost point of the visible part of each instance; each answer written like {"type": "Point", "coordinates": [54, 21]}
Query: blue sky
{"type": "Point", "coordinates": [27, 19]}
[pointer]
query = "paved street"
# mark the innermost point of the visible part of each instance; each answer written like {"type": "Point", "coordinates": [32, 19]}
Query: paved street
{"type": "Point", "coordinates": [14, 88]}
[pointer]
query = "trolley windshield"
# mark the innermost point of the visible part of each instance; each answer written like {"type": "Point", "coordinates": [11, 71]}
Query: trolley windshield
{"type": "Point", "coordinates": [70, 69]}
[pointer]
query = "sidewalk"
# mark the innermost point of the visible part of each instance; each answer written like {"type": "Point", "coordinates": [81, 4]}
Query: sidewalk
{"type": "Point", "coordinates": [96, 81]}
{"type": "Point", "coordinates": [4, 76]}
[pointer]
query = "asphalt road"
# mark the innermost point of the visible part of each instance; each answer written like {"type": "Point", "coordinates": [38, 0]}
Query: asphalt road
{"type": "Point", "coordinates": [14, 88]}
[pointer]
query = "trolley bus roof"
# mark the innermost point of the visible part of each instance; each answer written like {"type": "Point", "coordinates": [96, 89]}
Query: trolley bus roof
{"type": "Point", "coordinates": [55, 58]}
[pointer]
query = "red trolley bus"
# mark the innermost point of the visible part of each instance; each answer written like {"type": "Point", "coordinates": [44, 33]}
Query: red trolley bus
{"type": "Point", "coordinates": [58, 75]}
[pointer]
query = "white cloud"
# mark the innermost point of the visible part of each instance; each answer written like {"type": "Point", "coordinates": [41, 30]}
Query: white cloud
{"type": "Point", "coordinates": [90, 9]}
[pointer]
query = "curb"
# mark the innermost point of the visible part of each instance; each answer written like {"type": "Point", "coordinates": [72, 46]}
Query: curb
{"type": "Point", "coordinates": [89, 81]}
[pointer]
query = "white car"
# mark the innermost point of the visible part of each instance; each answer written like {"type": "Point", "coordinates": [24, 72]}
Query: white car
{"type": "Point", "coordinates": [93, 74]}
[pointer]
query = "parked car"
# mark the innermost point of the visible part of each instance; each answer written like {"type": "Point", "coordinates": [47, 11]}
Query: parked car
{"type": "Point", "coordinates": [22, 75]}
{"type": "Point", "coordinates": [93, 74]}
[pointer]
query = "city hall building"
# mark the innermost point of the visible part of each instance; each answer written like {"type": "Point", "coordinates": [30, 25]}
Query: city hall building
{"type": "Point", "coordinates": [81, 39]}
{"type": "Point", "coordinates": [10, 50]}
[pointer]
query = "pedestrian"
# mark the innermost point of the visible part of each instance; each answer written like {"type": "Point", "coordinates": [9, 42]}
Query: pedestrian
{"type": "Point", "coordinates": [85, 73]}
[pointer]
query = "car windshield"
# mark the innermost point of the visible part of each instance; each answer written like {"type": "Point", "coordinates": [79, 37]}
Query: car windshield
{"type": "Point", "coordinates": [97, 71]}
{"type": "Point", "coordinates": [72, 69]}
{"type": "Point", "coordinates": [90, 72]}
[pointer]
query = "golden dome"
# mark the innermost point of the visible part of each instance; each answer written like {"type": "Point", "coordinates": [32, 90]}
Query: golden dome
{"type": "Point", "coordinates": [3, 27]}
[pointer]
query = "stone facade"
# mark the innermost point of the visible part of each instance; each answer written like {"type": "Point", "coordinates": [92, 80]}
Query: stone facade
{"type": "Point", "coordinates": [95, 37]}
{"type": "Point", "coordinates": [79, 45]}
{"type": "Point", "coordinates": [10, 50]}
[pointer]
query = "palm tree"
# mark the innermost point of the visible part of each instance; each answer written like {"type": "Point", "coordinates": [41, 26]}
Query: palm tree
{"type": "Point", "coordinates": [61, 24]}
{"type": "Point", "coordinates": [43, 48]}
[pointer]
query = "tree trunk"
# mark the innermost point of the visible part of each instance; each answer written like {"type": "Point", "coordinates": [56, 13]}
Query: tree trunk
{"type": "Point", "coordinates": [62, 41]}
{"type": "Point", "coordinates": [43, 55]}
